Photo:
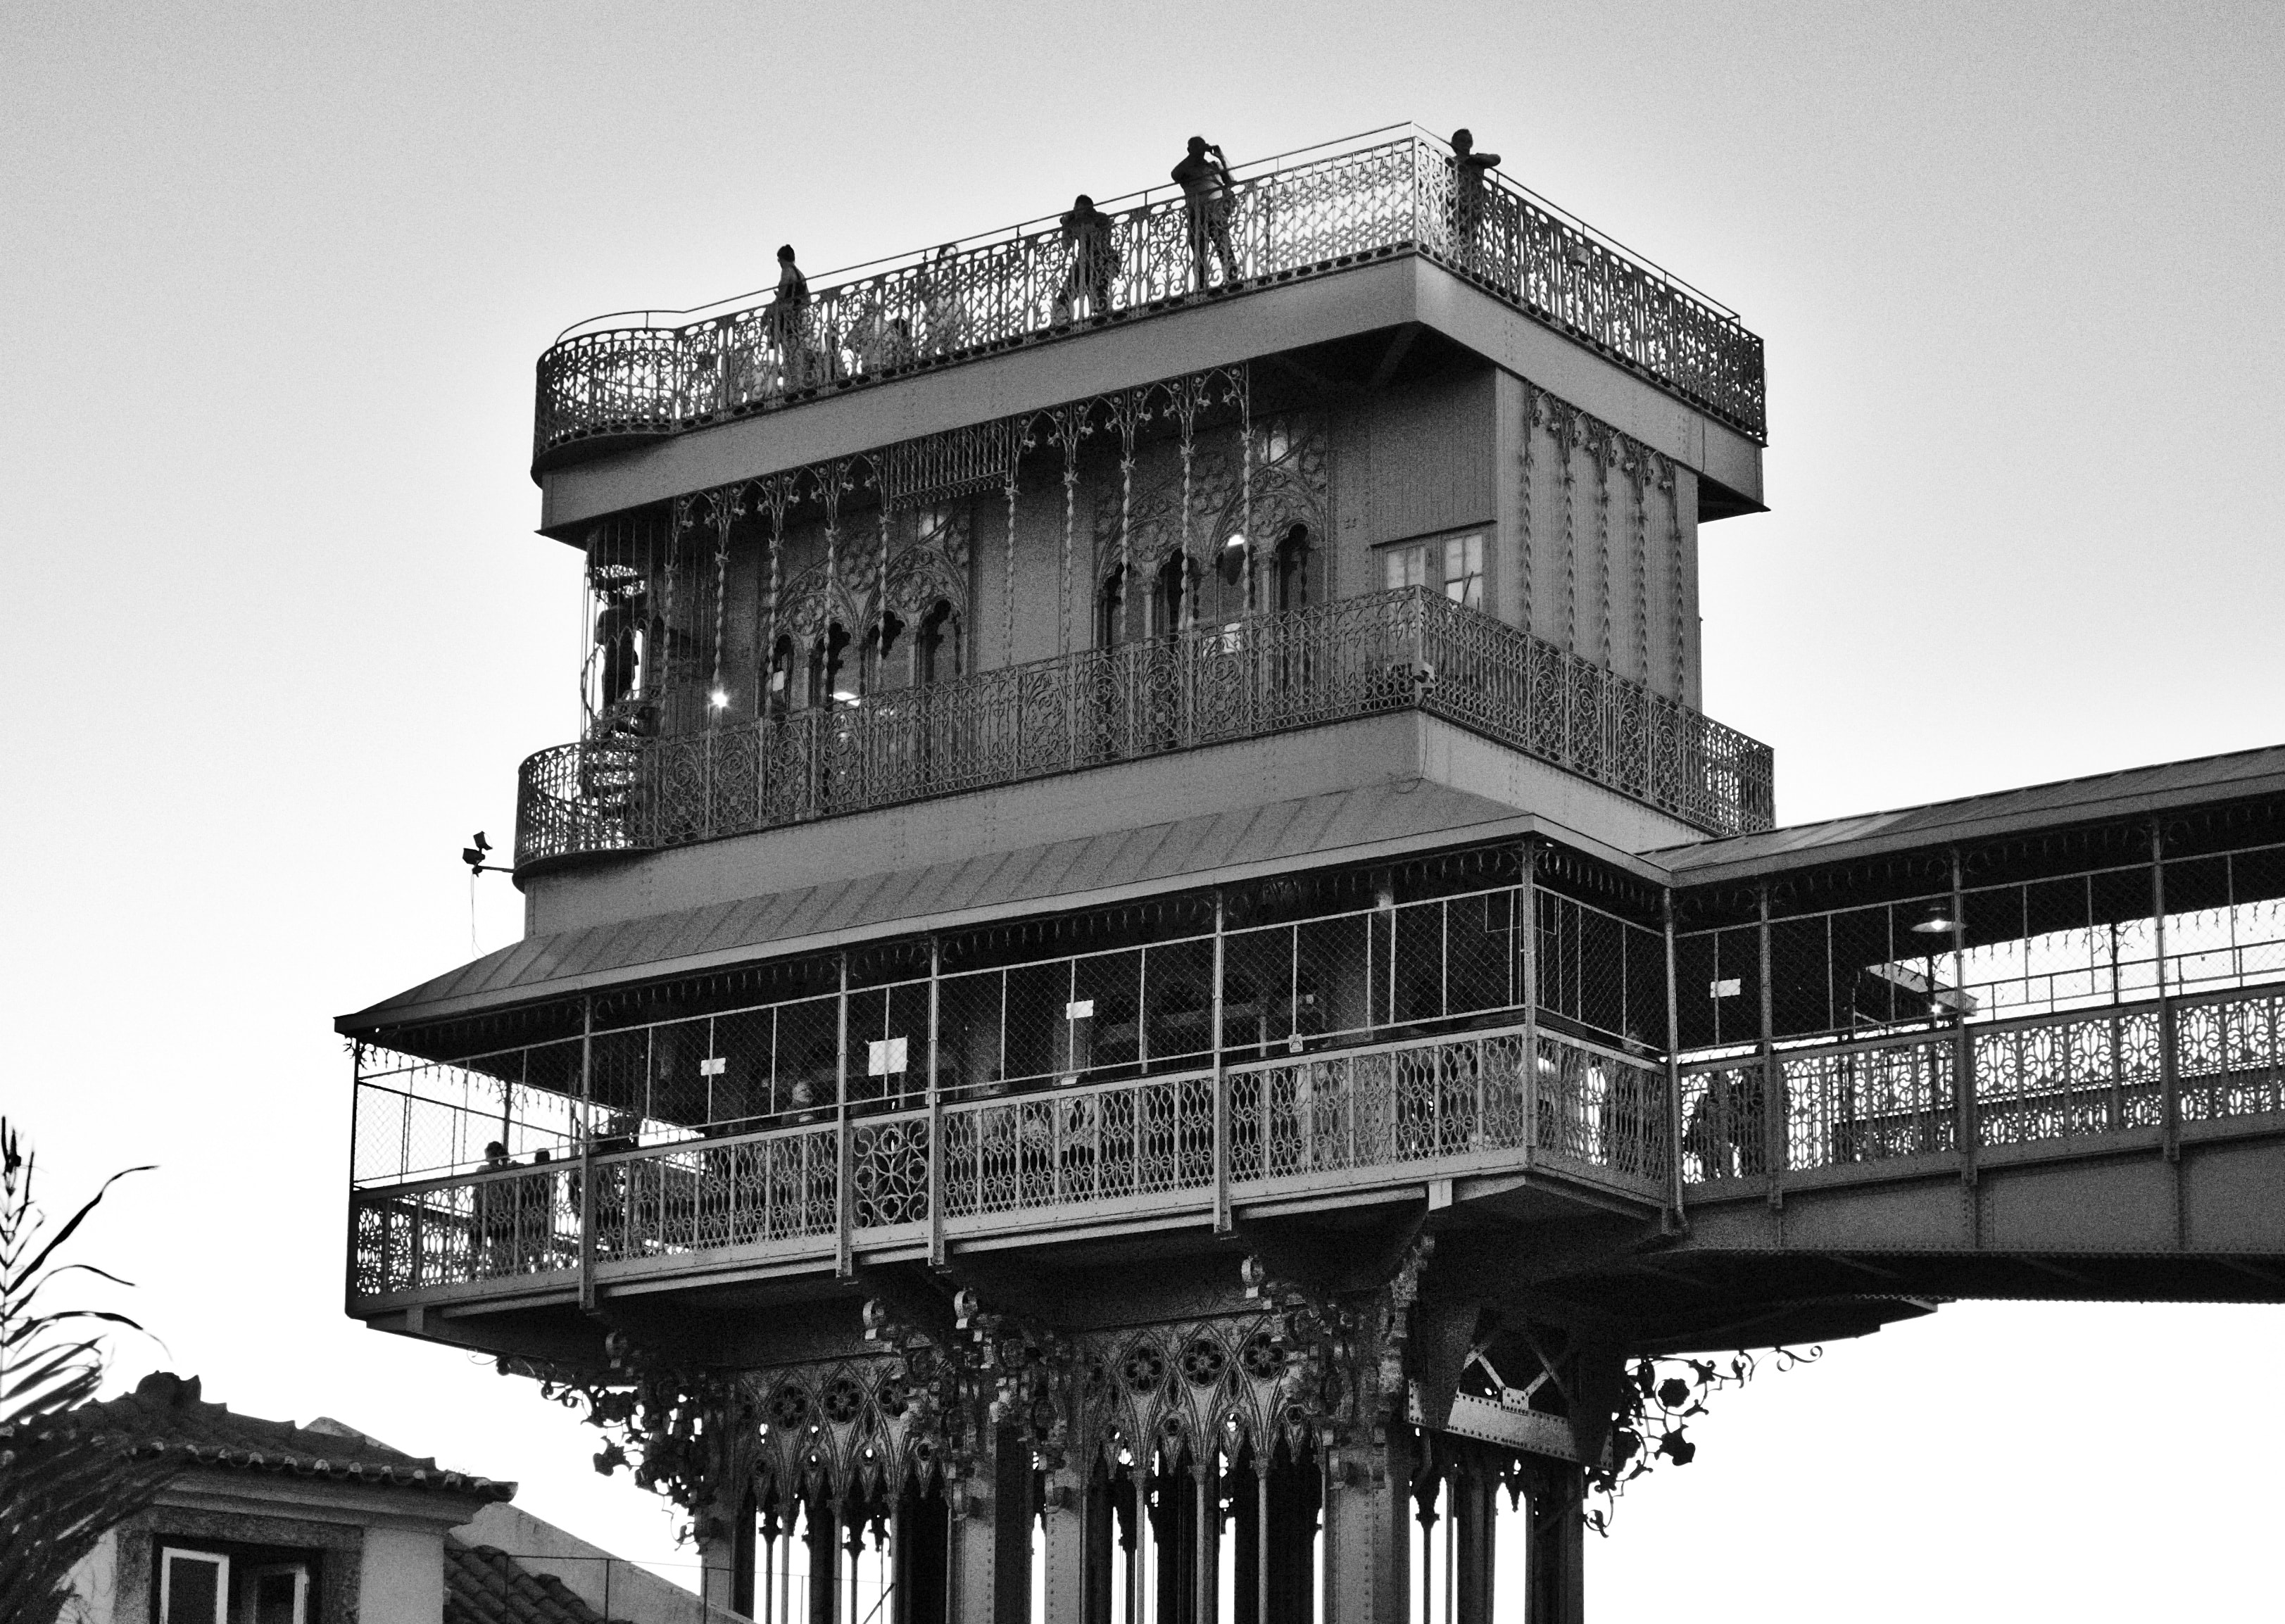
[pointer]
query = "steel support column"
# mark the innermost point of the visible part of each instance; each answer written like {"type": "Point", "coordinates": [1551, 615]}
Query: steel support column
{"type": "Point", "coordinates": [822, 1533]}
{"type": "Point", "coordinates": [1367, 1529]}
{"type": "Point", "coordinates": [1207, 1570]}
{"type": "Point", "coordinates": [1675, 1218]}
{"type": "Point", "coordinates": [1475, 1512]}
{"type": "Point", "coordinates": [846, 1203]}
{"type": "Point", "coordinates": [1555, 1589]}
{"type": "Point", "coordinates": [1774, 1110]}
{"type": "Point", "coordinates": [1527, 904]}
{"type": "Point", "coordinates": [918, 1549]}
{"type": "Point", "coordinates": [1221, 1218]}
{"type": "Point", "coordinates": [1066, 1527]}
{"type": "Point", "coordinates": [991, 1541]}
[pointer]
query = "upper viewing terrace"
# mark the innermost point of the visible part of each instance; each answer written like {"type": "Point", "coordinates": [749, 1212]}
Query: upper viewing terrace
{"type": "Point", "coordinates": [633, 376]}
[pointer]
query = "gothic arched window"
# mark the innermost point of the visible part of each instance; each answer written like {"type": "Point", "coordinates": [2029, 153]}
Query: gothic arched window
{"type": "Point", "coordinates": [936, 651]}
{"type": "Point", "coordinates": [1111, 609]}
{"type": "Point", "coordinates": [1294, 565]}
{"type": "Point", "coordinates": [781, 686]}
{"type": "Point", "coordinates": [827, 682]}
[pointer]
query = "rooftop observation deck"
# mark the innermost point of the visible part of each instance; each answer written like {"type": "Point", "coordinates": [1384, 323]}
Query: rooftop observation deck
{"type": "Point", "coordinates": [637, 375]}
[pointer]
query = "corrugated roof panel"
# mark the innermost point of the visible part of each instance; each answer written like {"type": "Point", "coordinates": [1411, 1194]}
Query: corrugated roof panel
{"type": "Point", "coordinates": [1187, 852]}
{"type": "Point", "coordinates": [2237, 775]}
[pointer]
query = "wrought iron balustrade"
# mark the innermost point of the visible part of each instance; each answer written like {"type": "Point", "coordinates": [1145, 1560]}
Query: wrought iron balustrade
{"type": "Point", "coordinates": [1323, 1121]}
{"type": "Point", "coordinates": [1264, 674]}
{"type": "Point", "coordinates": [1347, 1119]}
{"type": "Point", "coordinates": [2052, 1078]}
{"type": "Point", "coordinates": [1318, 212]}
{"type": "Point", "coordinates": [1354, 1118]}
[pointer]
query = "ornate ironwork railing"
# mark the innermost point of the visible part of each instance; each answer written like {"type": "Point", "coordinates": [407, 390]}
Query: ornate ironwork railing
{"type": "Point", "coordinates": [1395, 1112]}
{"type": "Point", "coordinates": [2080, 1075]}
{"type": "Point", "coordinates": [1354, 1120]}
{"type": "Point", "coordinates": [1319, 211]}
{"type": "Point", "coordinates": [1265, 674]}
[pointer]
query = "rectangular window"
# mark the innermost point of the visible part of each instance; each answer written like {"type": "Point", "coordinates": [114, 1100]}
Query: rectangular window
{"type": "Point", "coordinates": [1453, 565]}
{"type": "Point", "coordinates": [278, 1594]}
{"type": "Point", "coordinates": [1402, 567]}
{"type": "Point", "coordinates": [193, 1587]}
{"type": "Point", "coordinates": [1464, 570]}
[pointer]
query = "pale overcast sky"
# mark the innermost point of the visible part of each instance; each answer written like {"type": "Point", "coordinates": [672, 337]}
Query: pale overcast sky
{"type": "Point", "coordinates": [279, 631]}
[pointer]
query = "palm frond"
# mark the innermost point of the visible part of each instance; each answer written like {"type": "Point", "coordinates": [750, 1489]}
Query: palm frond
{"type": "Point", "coordinates": [63, 1480]}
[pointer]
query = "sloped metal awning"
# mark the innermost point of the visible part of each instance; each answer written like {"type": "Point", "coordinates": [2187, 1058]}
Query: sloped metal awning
{"type": "Point", "coordinates": [1377, 821]}
{"type": "Point", "coordinates": [2170, 786]}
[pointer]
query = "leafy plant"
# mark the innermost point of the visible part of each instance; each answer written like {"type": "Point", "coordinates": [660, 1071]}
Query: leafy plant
{"type": "Point", "coordinates": [63, 1482]}
{"type": "Point", "coordinates": [1661, 1398]}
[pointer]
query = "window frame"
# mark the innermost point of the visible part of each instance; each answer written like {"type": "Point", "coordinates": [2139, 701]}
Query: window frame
{"type": "Point", "coordinates": [164, 1600]}
{"type": "Point", "coordinates": [1434, 549]}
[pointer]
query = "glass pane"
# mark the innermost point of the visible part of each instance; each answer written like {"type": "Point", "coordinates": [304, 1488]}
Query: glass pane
{"type": "Point", "coordinates": [1257, 1010]}
{"type": "Point", "coordinates": [277, 1595]}
{"type": "Point", "coordinates": [1464, 570]}
{"type": "Point", "coordinates": [190, 1587]}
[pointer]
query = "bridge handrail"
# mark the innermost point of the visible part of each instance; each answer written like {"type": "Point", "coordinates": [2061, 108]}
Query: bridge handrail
{"type": "Point", "coordinates": [2147, 1065]}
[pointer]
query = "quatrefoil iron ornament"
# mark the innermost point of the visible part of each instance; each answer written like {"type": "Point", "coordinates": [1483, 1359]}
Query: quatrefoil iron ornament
{"type": "Point", "coordinates": [790, 1407]}
{"type": "Point", "coordinates": [844, 1399]}
{"type": "Point", "coordinates": [1261, 1356]}
{"type": "Point", "coordinates": [1143, 1368]}
{"type": "Point", "coordinates": [1203, 1361]}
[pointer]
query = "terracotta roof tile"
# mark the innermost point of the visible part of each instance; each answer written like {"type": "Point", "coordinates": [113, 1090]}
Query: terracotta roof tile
{"type": "Point", "coordinates": [167, 1414]}
{"type": "Point", "coordinates": [484, 1585]}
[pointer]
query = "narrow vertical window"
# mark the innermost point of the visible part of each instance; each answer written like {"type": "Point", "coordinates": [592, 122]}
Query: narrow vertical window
{"type": "Point", "coordinates": [1464, 570]}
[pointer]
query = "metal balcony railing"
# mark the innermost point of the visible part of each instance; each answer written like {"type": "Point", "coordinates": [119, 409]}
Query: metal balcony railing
{"type": "Point", "coordinates": [1411, 648]}
{"type": "Point", "coordinates": [2085, 1076]}
{"type": "Point", "coordinates": [2080, 1082]}
{"type": "Point", "coordinates": [1348, 1120]}
{"type": "Point", "coordinates": [1305, 214]}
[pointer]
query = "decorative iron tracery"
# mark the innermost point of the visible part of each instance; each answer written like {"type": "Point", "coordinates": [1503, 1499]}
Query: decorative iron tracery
{"type": "Point", "coordinates": [1321, 215]}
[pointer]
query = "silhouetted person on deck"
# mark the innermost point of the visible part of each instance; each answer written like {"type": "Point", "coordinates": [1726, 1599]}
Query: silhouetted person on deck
{"type": "Point", "coordinates": [1469, 169]}
{"type": "Point", "coordinates": [496, 1203]}
{"type": "Point", "coordinates": [1093, 238]}
{"type": "Point", "coordinates": [615, 635]}
{"type": "Point", "coordinates": [1206, 203]}
{"type": "Point", "coordinates": [788, 313]}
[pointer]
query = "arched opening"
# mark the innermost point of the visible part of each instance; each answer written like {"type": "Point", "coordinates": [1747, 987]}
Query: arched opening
{"type": "Point", "coordinates": [827, 680]}
{"type": "Point", "coordinates": [1293, 564]}
{"type": "Point", "coordinates": [936, 650]}
{"type": "Point", "coordinates": [1227, 595]}
{"type": "Point", "coordinates": [1111, 609]}
{"type": "Point", "coordinates": [781, 683]}
{"type": "Point", "coordinates": [883, 653]}
{"type": "Point", "coordinates": [1174, 597]}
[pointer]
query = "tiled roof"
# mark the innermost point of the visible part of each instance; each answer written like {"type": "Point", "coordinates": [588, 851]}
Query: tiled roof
{"type": "Point", "coordinates": [165, 1414]}
{"type": "Point", "coordinates": [484, 1585]}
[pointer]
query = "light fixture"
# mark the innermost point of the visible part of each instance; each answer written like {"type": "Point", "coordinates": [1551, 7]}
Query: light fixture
{"type": "Point", "coordinates": [1938, 922]}
{"type": "Point", "coordinates": [1238, 539]}
{"type": "Point", "coordinates": [718, 698]}
{"type": "Point", "coordinates": [846, 696]}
